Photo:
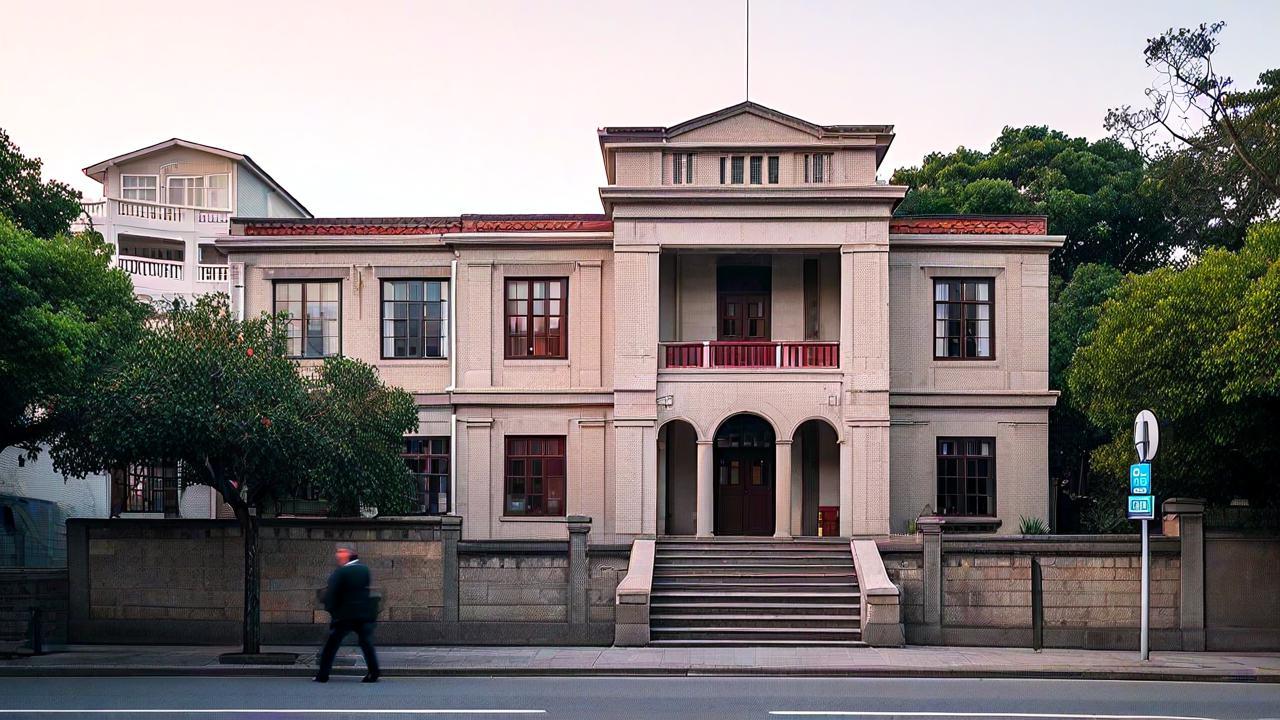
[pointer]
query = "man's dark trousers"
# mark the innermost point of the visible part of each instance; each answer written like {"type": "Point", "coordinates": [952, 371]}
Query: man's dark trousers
{"type": "Point", "coordinates": [338, 630]}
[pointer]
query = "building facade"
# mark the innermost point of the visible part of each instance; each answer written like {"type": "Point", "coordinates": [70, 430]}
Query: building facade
{"type": "Point", "coordinates": [745, 342]}
{"type": "Point", "coordinates": [162, 208]}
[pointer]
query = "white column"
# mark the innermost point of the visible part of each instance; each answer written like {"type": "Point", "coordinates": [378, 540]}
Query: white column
{"type": "Point", "coordinates": [846, 486]}
{"type": "Point", "coordinates": [782, 489]}
{"type": "Point", "coordinates": [706, 490]}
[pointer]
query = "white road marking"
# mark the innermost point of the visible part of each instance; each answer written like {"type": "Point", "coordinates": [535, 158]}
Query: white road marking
{"type": "Point", "coordinates": [281, 711]}
{"type": "Point", "coordinates": [944, 714]}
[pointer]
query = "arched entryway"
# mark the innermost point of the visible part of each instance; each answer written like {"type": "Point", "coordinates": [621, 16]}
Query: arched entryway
{"type": "Point", "coordinates": [743, 463]}
{"type": "Point", "coordinates": [677, 478]}
{"type": "Point", "coordinates": [815, 483]}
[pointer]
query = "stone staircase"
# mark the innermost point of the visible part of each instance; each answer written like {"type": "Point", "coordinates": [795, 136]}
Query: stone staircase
{"type": "Point", "coordinates": [753, 591]}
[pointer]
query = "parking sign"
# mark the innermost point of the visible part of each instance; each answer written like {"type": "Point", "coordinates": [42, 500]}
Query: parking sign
{"type": "Point", "coordinates": [1142, 507]}
{"type": "Point", "coordinates": [1140, 479]}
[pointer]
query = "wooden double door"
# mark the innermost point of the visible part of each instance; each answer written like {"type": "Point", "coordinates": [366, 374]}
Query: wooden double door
{"type": "Point", "coordinates": [744, 461]}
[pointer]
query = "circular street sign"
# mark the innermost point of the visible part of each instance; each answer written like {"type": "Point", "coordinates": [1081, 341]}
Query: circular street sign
{"type": "Point", "coordinates": [1146, 435]}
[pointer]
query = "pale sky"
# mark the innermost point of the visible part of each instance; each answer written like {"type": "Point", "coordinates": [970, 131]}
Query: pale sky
{"type": "Point", "coordinates": [364, 107]}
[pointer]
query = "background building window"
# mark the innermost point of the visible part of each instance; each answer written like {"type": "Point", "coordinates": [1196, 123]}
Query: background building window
{"type": "Point", "coordinates": [773, 169]}
{"type": "Point", "coordinates": [735, 164]}
{"type": "Point", "coordinates": [428, 460]}
{"type": "Point", "coordinates": [722, 163]}
{"type": "Point", "coordinates": [962, 318]}
{"type": "Point", "coordinates": [314, 311]}
{"type": "Point", "coordinates": [682, 168]}
{"type": "Point", "coordinates": [535, 476]}
{"type": "Point", "coordinates": [757, 169]}
{"type": "Point", "coordinates": [536, 315]}
{"type": "Point", "coordinates": [208, 191]}
{"type": "Point", "coordinates": [817, 167]}
{"type": "Point", "coordinates": [139, 187]}
{"type": "Point", "coordinates": [967, 476]}
{"type": "Point", "coordinates": [415, 319]}
{"type": "Point", "coordinates": [146, 488]}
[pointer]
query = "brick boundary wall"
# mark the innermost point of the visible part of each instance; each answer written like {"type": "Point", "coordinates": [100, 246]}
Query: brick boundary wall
{"type": "Point", "coordinates": [24, 589]}
{"type": "Point", "coordinates": [180, 581]}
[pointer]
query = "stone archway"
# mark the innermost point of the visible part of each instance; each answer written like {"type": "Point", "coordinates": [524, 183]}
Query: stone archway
{"type": "Point", "coordinates": [677, 478]}
{"type": "Point", "coordinates": [744, 474]}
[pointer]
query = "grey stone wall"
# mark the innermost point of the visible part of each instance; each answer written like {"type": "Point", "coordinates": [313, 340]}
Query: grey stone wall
{"type": "Point", "coordinates": [180, 581]}
{"type": "Point", "coordinates": [21, 591]}
{"type": "Point", "coordinates": [1090, 589]}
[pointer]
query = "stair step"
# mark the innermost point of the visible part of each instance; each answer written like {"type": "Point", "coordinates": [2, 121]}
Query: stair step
{"type": "Point", "coordinates": [758, 567]}
{"type": "Point", "coordinates": [842, 609]}
{"type": "Point", "coordinates": [757, 594]}
{"type": "Point", "coordinates": [744, 642]}
{"type": "Point", "coordinates": [771, 622]}
{"type": "Point", "coordinates": [755, 633]}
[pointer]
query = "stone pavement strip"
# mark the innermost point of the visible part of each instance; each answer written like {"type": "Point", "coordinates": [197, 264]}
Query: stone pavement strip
{"type": "Point", "coordinates": [917, 661]}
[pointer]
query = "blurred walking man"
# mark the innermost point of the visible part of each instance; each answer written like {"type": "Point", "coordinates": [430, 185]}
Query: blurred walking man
{"type": "Point", "coordinates": [350, 610]}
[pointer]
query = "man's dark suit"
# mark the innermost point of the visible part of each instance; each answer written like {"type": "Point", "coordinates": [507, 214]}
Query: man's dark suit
{"type": "Point", "coordinates": [350, 610]}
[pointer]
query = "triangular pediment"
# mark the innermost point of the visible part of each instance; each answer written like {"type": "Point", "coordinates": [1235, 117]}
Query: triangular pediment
{"type": "Point", "coordinates": [745, 122]}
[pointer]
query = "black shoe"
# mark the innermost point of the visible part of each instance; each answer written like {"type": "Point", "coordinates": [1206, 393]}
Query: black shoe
{"type": "Point", "coordinates": [370, 678]}
{"type": "Point", "coordinates": [320, 679]}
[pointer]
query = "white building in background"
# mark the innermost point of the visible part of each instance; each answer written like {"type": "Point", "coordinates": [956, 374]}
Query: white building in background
{"type": "Point", "coordinates": [162, 208]}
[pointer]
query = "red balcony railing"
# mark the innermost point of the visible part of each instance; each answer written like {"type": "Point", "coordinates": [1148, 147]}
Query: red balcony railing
{"type": "Point", "coordinates": [766, 354]}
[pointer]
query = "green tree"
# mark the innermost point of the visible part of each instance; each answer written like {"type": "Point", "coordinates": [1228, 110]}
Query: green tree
{"type": "Point", "coordinates": [1074, 308]}
{"type": "Point", "coordinates": [44, 208]}
{"type": "Point", "coordinates": [1214, 148]}
{"type": "Point", "coordinates": [220, 397]}
{"type": "Point", "coordinates": [1198, 346]}
{"type": "Point", "coordinates": [1097, 194]}
{"type": "Point", "coordinates": [65, 311]}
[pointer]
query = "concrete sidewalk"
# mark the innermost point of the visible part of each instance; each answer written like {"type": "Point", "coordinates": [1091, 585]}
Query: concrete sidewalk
{"type": "Point", "coordinates": [104, 660]}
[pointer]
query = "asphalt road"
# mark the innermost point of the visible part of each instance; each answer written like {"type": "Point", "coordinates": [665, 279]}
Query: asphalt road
{"type": "Point", "coordinates": [625, 698]}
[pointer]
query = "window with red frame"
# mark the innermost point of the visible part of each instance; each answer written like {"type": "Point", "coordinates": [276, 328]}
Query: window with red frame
{"type": "Point", "coordinates": [536, 313]}
{"type": "Point", "coordinates": [535, 476]}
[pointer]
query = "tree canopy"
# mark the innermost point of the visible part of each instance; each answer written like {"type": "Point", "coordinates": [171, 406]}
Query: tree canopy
{"type": "Point", "coordinates": [221, 397]}
{"type": "Point", "coordinates": [1096, 193]}
{"type": "Point", "coordinates": [1213, 147]}
{"type": "Point", "coordinates": [44, 208]}
{"type": "Point", "coordinates": [65, 312]}
{"type": "Point", "coordinates": [1200, 347]}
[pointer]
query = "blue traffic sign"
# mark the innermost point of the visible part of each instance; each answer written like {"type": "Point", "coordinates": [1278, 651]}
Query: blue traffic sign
{"type": "Point", "coordinates": [1140, 479]}
{"type": "Point", "coordinates": [1142, 507]}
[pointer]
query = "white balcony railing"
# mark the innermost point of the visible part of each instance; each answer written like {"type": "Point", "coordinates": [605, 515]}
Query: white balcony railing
{"type": "Point", "coordinates": [146, 267]}
{"type": "Point", "coordinates": [752, 354]}
{"type": "Point", "coordinates": [212, 273]}
{"type": "Point", "coordinates": [160, 212]}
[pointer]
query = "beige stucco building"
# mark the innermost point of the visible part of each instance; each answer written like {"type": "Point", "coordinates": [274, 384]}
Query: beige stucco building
{"type": "Point", "coordinates": [746, 342]}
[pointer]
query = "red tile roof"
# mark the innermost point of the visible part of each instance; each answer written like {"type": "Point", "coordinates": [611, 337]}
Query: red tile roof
{"type": "Point", "coordinates": [311, 227]}
{"type": "Point", "coordinates": [970, 225]}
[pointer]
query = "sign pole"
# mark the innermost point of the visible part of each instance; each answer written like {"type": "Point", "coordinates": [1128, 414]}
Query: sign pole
{"type": "Point", "coordinates": [1142, 506]}
{"type": "Point", "coordinates": [1145, 650]}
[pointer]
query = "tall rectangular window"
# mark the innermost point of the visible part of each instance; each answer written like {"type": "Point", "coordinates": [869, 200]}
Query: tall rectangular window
{"type": "Point", "coordinates": [682, 169]}
{"type": "Point", "coordinates": [757, 169]}
{"type": "Point", "coordinates": [415, 318]}
{"type": "Point", "coordinates": [139, 187]}
{"type": "Point", "coordinates": [736, 163]}
{"type": "Point", "coordinates": [967, 476]}
{"type": "Point", "coordinates": [722, 164]}
{"type": "Point", "coordinates": [428, 461]}
{"type": "Point", "coordinates": [817, 167]}
{"type": "Point", "coordinates": [963, 313]}
{"type": "Point", "coordinates": [773, 169]}
{"type": "Point", "coordinates": [314, 322]}
{"type": "Point", "coordinates": [536, 315]}
{"type": "Point", "coordinates": [535, 476]}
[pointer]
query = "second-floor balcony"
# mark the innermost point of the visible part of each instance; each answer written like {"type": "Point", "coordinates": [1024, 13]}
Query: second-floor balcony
{"type": "Point", "coordinates": [766, 354]}
{"type": "Point", "coordinates": [177, 217]}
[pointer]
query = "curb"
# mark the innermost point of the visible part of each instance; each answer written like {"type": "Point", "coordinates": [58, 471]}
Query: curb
{"type": "Point", "coordinates": [276, 671]}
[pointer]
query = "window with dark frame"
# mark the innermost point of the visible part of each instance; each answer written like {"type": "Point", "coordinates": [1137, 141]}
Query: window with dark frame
{"type": "Point", "coordinates": [148, 488]}
{"type": "Point", "coordinates": [963, 318]}
{"type": "Point", "coordinates": [722, 164]}
{"type": "Point", "coordinates": [773, 169]}
{"type": "Point", "coordinates": [314, 309]}
{"type": "Point", "coordinates": [535, 476]}
{"type": "Point", "coordinates": [967, 476]}
{"type": "Point", "coordinates": [736, 163]}
{"type": "Point", "coordinates": [428, 461]}
{"type": "Point", "coordinates": [415, 318]}
{"type": "Point", "coordinates": [682, 168]}
{"type": "Point", "coordinates": [536, 318]}
{"type": "Point", "coordinates": [817, 167]}
{"type": "Point", "coordinates": [757, 169]}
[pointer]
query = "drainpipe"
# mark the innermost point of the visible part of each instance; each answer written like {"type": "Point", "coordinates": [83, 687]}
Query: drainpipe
{"type": "Point", "coordinates": [453, 381]}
